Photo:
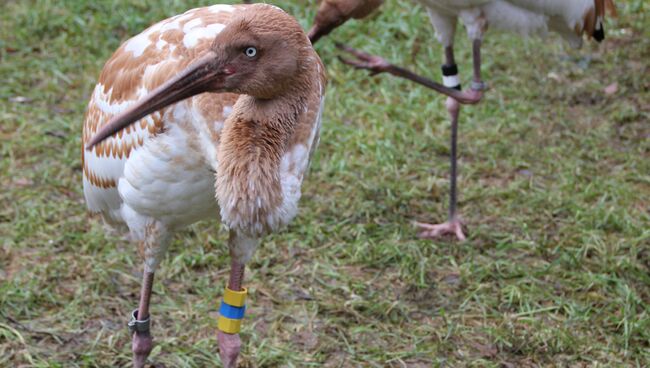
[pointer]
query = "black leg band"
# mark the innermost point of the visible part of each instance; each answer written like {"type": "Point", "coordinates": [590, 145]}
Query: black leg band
{"type": "Point", "coordinates": [449, 70]}
{"type": "Point", "coordinates": [450, 76]}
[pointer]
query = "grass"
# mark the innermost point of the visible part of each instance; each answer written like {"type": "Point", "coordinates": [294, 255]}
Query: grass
{"type": "Point", "coordinates": [554, 188]}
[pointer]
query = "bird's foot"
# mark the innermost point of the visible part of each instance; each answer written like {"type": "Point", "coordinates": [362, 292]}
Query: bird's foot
{"type": "Point", "coordinates": [362, 60]}
{"type": "Point", "coordinates": [142, 342]}
{"type": "Point", "coordinates": [141, 346]}
{"type": "Point", "coordinates": [229, 347]}
{"type": "Point", "coordinates": [452, 227]}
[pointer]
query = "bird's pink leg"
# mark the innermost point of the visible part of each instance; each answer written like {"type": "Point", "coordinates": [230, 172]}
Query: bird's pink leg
{"type": "Point", "coordinates": [140, 324]}
{"type": "Point", "coordinates": [453, 226]}
{"type": "Point", "coordinates": [230, 344]}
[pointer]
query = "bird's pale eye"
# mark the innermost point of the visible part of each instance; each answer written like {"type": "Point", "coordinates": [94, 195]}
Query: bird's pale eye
{"type": "Point", "coordinates": [250, 51]}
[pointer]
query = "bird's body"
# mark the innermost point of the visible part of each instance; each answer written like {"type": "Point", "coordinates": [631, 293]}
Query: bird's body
{"type": "Point", "coordinates": [239, 155]}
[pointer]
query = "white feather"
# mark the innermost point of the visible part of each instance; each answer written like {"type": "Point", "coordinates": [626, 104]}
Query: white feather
{"type": "Point", "coordinates": [525, 17]}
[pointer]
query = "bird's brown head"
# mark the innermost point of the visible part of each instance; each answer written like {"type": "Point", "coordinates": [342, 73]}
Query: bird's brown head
{"type": "Point", "coordinates": [260, 52]}
{"type": "Point", "coordinates": [263, 49]}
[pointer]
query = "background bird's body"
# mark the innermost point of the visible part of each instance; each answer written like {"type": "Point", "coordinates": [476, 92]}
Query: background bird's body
{"type": "Point", "coordinates": [527, 17]}
{"type": "Point", "coordinates": [571, 19]}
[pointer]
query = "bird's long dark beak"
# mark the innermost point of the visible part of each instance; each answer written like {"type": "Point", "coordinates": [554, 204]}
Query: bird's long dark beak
{"type": "Point", "coordinates": [316, 32]}
{"type": "Point", "coordinates": [323, 27]}
{"type": "Point", "coordinates": [203, 75]}
{"type": "Point", "coordinates": [328, 17]}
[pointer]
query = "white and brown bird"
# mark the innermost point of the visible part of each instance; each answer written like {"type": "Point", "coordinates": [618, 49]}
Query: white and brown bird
{"type": "Point", "coordinates": [213, 113]}
{"type": "Point", "coordinates": [571, 19]}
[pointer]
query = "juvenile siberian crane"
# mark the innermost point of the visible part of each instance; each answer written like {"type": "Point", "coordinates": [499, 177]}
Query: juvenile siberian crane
{"type": "Point", "coordinates": [212, 112]}
{"type": "Point", "coordinates": [572, 19]}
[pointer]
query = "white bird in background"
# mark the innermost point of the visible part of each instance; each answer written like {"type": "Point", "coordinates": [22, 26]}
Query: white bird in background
{"type": "Point", "coordinates": [160, 154]}
{"type": "Point", "coordinates": [572, 19]}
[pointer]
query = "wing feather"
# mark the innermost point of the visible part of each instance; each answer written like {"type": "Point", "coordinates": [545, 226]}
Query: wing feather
{"type": "Point", "coordinates": [138, 66]}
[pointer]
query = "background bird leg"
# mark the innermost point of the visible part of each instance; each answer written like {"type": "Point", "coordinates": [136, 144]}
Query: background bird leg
{"type": "Point", "coordinates": [453, 225]}
{"type": "Point", "coordinates": [454, 111]}
{"type": "Point", "coordinates": [477, 83]}
{"type": "Point", "coordinates": [376, 65]}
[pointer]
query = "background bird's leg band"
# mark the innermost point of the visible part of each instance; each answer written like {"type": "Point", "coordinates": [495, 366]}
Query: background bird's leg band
{"type": "Point", "coordinates": [232, 310]}
{"type": "Point", "coordinates": [450, 76]}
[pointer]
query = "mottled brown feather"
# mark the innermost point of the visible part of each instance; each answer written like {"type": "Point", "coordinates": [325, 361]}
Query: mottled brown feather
{"type": "Point", "coordinates": [124, 74]}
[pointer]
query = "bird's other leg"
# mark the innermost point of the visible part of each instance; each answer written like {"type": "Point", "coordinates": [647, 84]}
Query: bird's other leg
{"type": "Point", "coordinates": [152, 247]}
{"type": "Point", "coordinates": [376, 65]}
{"type": "Point", "coordinates": [453, 225]}
{"type": "Point", "coordinates": [232, 313]}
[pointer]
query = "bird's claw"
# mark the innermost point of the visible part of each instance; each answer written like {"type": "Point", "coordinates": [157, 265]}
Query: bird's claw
{"type": "Point", "coordinates": [374, 64]}
{"type": "Point", "coordinates": [452, 227]}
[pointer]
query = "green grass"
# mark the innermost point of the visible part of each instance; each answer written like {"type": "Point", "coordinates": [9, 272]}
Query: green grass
{"type": "Point", "coordinates": [554, 188]}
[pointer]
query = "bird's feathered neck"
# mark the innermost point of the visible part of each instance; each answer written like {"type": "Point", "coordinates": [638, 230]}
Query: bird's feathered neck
{"type": "Point", "coordinates": [254, 140]}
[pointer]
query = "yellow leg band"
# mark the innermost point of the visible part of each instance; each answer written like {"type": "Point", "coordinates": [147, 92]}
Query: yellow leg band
{"type": "Point", "coordinates": [235, 298]}
{"type": "Point", "coordinates": [229, 326]}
